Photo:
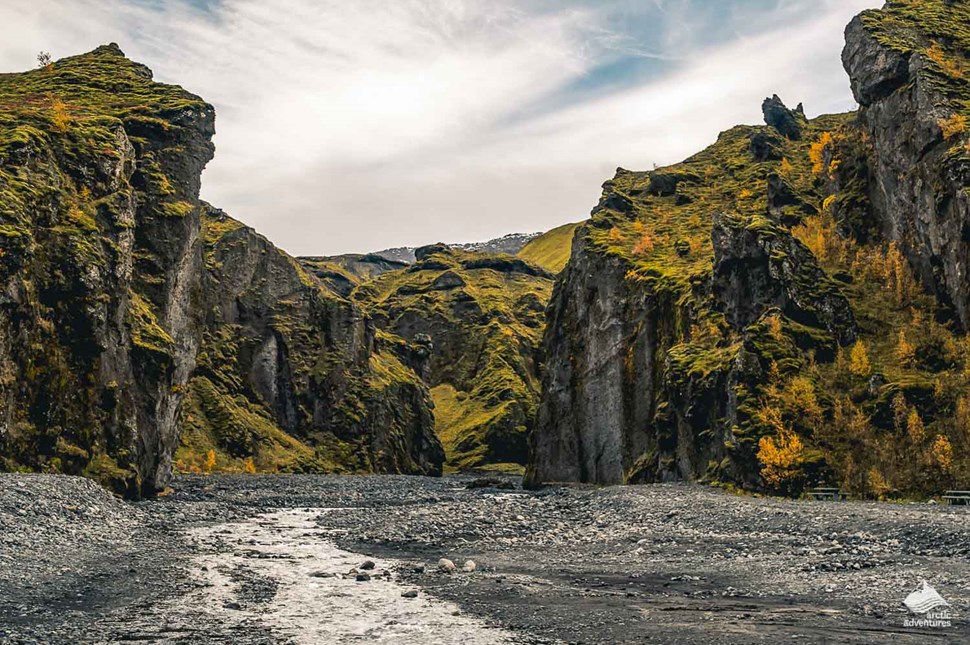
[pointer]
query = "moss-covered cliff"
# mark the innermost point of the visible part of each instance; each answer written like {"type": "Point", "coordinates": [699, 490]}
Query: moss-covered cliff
{"type": "Point", "coordinates": [292, 378]}
{"type": "Point", "coordinates": [480, 318]}
{"type": "Point", "coordinates": [100, 262]}
{"type": "Point", "coordinates": [784, 308]}
{"type": "Point", "coordinates": [654, 323]}
{"type": "Point", "coordinates": [108, 293]}
{"type": "Point", "coordinates": [908, 65]}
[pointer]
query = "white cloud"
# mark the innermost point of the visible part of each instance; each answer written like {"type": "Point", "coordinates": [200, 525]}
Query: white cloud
{"type": "Point", "coordinates": [350, 126]}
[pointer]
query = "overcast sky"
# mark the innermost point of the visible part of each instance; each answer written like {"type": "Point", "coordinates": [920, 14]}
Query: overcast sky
{"type": "Point", "coordinates": [355, 125]}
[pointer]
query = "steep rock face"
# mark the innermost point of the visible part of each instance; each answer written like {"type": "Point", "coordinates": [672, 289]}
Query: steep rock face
{"type": "Point", "coordinates": [479, 319]}
{"type": "Point", "coordinates": [906, 66]}
{"type": "Point", "coordinates": [99, 183]}
{"type": "Point", "coordinates": [683, 294]}
{"type": "Point", "coordinates": [591, 410]}
{"type": "Point", "coordinates": [757, 266]}
{"type": "Point", "coordinates": [293, 378]}
{"type": "Point", "coordinates": [623, 399]}
{"type": "Point", "coordinates": [107, 296]}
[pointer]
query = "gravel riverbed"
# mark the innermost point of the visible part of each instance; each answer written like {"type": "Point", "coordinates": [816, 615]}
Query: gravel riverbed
{"type": "Point", "coordinates": [281, 559]}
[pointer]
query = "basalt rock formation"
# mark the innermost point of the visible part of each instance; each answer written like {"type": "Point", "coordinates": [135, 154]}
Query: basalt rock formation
{"type": "Point", "coordinates": [108, 294]}
{"type": "Point", "coordinates": [787, 122]}
{"type": "Point", "coordinates": [759, 266]}
{"type": "Point", "coordinates": [786, 307]}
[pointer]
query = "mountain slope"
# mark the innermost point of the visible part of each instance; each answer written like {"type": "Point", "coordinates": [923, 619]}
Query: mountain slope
{"type": "Point", "coordinates": [343, 273]}
{"type": "Point", "coordinates": [750, 316]}
{"type": "Point", "coordinates": [292, 378]}
{"type": "Point", "coordinates": [107, 298]}
{"type": "Point", "coordinates": [551, 249]}
{"type": "Point", "coordinates": [481, 318]}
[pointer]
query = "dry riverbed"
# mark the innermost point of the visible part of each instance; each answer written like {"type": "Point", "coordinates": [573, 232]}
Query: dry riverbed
{"type": "Point", "coordinates": [259, 559]}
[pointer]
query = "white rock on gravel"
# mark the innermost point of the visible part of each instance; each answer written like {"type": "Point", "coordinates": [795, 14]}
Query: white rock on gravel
{"type": "Point", "coordinates": [446, 565]}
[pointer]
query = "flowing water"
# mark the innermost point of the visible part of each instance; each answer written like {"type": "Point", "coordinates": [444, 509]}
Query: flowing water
{"type": "Point", "coordinates": [280, 570]}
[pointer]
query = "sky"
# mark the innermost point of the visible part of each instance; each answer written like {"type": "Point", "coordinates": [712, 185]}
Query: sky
{"type": "Point", "coordinates": [357, 125]}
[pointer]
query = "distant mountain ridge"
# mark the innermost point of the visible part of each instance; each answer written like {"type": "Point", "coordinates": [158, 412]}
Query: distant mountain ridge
{"type": "Point", "coordinates": [342, 273]}
{"type": "Point", "coordinates": [510, 244]}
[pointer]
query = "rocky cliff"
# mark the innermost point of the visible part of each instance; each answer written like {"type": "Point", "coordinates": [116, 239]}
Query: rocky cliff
{"type": "Point", "coordinates": [101, 261]}
{"type": "Point", "coordinates": [656, 321]}
{"type": "Point", "coordinates": [907, 64]}
{"type": "Point", "coordinates": [107, 296]}
{"type": "Point", "coordinates": [786, 307]}
{"type": "Point", "coordinates": [291, 377]}
{"type": "Point", "coordinates": [480, 318]}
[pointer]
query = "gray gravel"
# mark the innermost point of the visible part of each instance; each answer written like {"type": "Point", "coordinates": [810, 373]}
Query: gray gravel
{"type": "Point", "coordinates": [664, 563]}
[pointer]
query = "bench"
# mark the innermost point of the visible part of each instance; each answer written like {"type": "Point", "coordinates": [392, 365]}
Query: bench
{"type": "Point", "coordinates": [957, 497]}
{"type": "Point", "coordinates": [825, 494]}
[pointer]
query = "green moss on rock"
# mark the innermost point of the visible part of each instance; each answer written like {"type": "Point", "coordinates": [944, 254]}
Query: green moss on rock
{"type": "Point", "coordinates": [484, 316]}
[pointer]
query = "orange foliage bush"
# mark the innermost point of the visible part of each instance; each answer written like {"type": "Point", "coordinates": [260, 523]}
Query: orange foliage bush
{"type": "Point", "coordinates": [952, 126]}
{"type": "Point", "coordinates": [60, 118]}
{"type": "Point", "coordinates": [950, 67]}
{"type": "Point", "coordinates": [645, 244]}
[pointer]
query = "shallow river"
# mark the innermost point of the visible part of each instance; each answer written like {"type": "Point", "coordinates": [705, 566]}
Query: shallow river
{"type": "Point", "coordinates": [317, 597]}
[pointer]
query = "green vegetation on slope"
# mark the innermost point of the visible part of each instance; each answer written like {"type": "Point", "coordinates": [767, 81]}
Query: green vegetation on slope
{"type": "Point", "coordinates": [286, 380]}
{"type": "Point", "coordinates": [96, 163]}
{"type": "Point", "coordinates": [551, 249]}
{"type": "Point", "coordinates": [484, 316]}
{"type": "Point", "coordinates": [885, 415]}
{"type": "Point", "coordinates": [342, 273]}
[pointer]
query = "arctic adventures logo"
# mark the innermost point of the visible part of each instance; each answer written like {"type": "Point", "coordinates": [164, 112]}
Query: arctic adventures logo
{"type": "Point", "coordinates": [928, 607]}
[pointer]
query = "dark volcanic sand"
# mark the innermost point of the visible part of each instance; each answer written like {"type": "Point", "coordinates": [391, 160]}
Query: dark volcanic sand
{"type": "Point", "coordinates": [261, 559]}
